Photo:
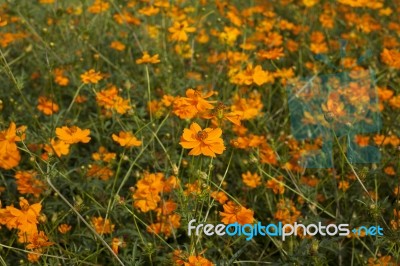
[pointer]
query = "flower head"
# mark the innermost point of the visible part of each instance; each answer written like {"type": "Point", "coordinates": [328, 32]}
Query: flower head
{"type": "Point", "coordinates": [207, 142]}
{"type": "Point", "coordinates": [126, 139]}
{"type": "Point", "coordinates": [235, 213]}
{"type": "Point", "coordinates": [74, 134]}
{"type": "Point", "coordinates": [91, 76]}
{"type": "Point", "coordinates": [146, 58]}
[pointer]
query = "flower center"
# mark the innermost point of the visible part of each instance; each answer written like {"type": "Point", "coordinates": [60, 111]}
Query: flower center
{"type": "Point", "coordinates": [202, 135]}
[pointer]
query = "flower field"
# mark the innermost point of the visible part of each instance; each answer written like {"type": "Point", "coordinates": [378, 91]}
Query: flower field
{"type": "Point", "coordinates": [124, 121]}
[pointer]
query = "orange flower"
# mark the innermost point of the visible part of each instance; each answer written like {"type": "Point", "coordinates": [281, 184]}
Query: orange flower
{"type": "Point", "coordinates": [99, 171]}
{"type": "Point", "coordinates": [109, 99]}
{"type": "Point", "coordinates": [219, 196]}
{"type": "Point", "coordinates": [286, 212]}
{"type": "Point", "coordinates": [166, 226]}
{"type": "Point", "coordinates": [384, 94]}
{"type": "Point", "coordinates": [198, 260]}
{"type": "Point", "coordinates": [9, 136]}
{"type": "Point", "coordinates": [343, 185]}
{"type": "Point", "coordinates": [389, 170]}
{"type": "Point", "coordinates": [197, 99]}
{"type": "Point", "coordinates": [103, 155]}
{"type": "Point", "coordinates": [395, 102]}
{"type": "Point", "coordinates": [91, 76]}
{"type": "Point", "coordinates": [207, 142]}
{"type": "Point", "coordinates": [252, 75]}
{"type": "Point", "coordinates": [74, 134]}
{"type": "Point", "coordinates": [38, 240]}
{"type": "Point", "coordinates": [272, 54]}
{"type": "Point", "coordinates": [24, 219]}
{"type": "Point", "coordinates": [27, 183]}
{"type": "Point", "coordinates": [149, 11]}
{"type": "Point", "coordinates": [310, 3]}
{"type": "Point", "coordinates": [276, 185]}
{"type": "Point", "coordinates": [179, 31]}
{"type": "Point", "coordinates": [57, 146]}
{"type": "Point", "coordinates": [102, 226]}
{"type": "Point", "coordinates": [147, 194]}
{"type": "Point", "coordinates": [99, 6]}
{"type": "Point", "coordinates": [183, 109]}
{"type": "Point", "coordinates": [116, 45]}
{"type": "Point", "coordinates": [391, 58]}
{"type": "Point", "coordinates": [60, 78]}
{"type": "Point", "coordinates": [250, 108]}
{"type": "Point", "coordinates": [229, 35]}
{"type": "Point", "coordinates": [334, 105]}
{"type": "Point", "coordinates": [146, 58]}
{"type": "Point", "coordinates": [235, 213]}
{"type": "Point", "coordinates": [9, 153]}
{"type": "Point", "coordinates": [382, 261]}
{"type": "Point", "coordinates": [64, 228]}
{"type": "Point", "coordinates": [362, 141]}
{"type": "Point", "coordinates": [126, 139]}
{"type": "Point", "coordinates": [251, 180]}
{"type": "Point", "coordinates": [116, 243]}
{"type": "Point", "coordinates": [219, 114]}
{"type": "Point", "coordinates": [9, 160]}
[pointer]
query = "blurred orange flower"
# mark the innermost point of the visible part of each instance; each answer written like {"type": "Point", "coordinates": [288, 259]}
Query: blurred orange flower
{"type": "Point", "coordinates": [57, 146]}
{"type": "Point", "coordinates": [24, 219]}
{"type": "Point", "coordinates": [102, 226]}
{"type": "Point", "coordinates": [235, 213]}
{"type": "Point", "coordinates": [251, 180]}
{"type": "Point", "coordinates": [91, 76]}
{"type": "Point", "coordinates": [116, 45]}
{"type": "Point", "coordinates": [198, 260]}
{"type": "Point", "coordinates": [146, 58]}
{"type": "Point", "coordinates": [179, 31]}
{"type": "Point", "coordinates": [99, 6]}
{"type": "Point", "coordinates": [27, 183]}
{"type": "Point", "coordinates": [9, 153]}
{"type": "Point", "coordinates": [126, 139]}
{"type": "Point", "coordinates": [47, 106]}
{"type": "Point", "coordinates": [74, 134]}
{"type": "Point", "coordinates": [64, 228]}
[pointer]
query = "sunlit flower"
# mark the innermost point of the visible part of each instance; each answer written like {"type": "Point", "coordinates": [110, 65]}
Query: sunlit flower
{"type": "Point", "coordinates": [24, 219]}
{"type": "Point", "coordinates": [47, 106]}
{"type": "Point", "coordinates": [276, 185]}
{"type": "Point", "coordinates": [235, 213]}
{"type": "Point", "coordinates": [57, 146]}
{"type": "Point", "coordinates": [147, 194]}
{"type": "Point", "coordinates": [126, 139]}
{"type": "Point", "coordinates": [64, 228]}
{"type": "Point", "coordinates": [99, 171]}
{"type": "Point", "coordinates": [74, 134]}
{"type": "Point", "coordinates": [251, 180]}
{"type": "Point", "coordinates": [116, 45]}
{"type": "Point", "coordinates": [179, 31]}
{"type": "Point", "coordinates": [60, 78]}
{"type": "Point", "coordinates": [207, 142]}
{"type": "Point", "coordinates": [102, 226]}
{"type": "Point", "coordinates": [117, 243]}
{"type": "Point", "coordinates": [147, 59]}
{"type": "Point", "coordinates": [219, 196]}
{"type": "Point", "coordinates": [91, 76]}
{"type": "Point", "coordinates": [198, 260]}
{"type": "Point", "coordinates": [343, 185]}
{"type": "Point", "coordinates": [27, 183]}
{"type": "Point", "coordinates": [99, 6]}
